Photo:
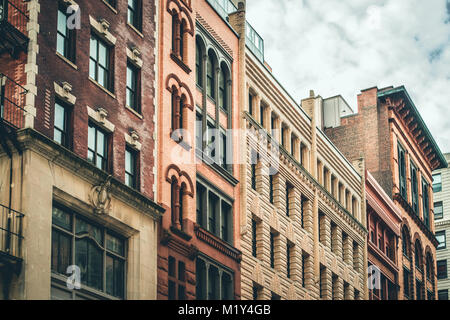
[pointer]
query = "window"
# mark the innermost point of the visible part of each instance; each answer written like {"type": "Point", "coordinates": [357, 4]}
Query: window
{"type": "Point", "coordinates": [356, 256]}
{"type": "Point", "coordinates": [199, 64]}
{"type": "Point", "coordinates": [177, 279]}
{"type": "Point", "coordinates": [214, 213]}
{"type": "Point", "coordinates": [321, 227]}
{"type": "Point", "coordinates": [272, 125]}
{"type": "Point", "coordinates": [61, 124]}
{"type": "Point", "coordinates": [405, 243]}
{"type": "Point", "coordinates": [254, 161]}
{"type": "Point", "coordinates": [223, 98]}
{"type": "Point", "coordinates": [283, 136]}
{"type": "Point", "coordinates": [254, 235]}
{"type": "Point", "coordinates": [303, 154]}
{"type": "Point", "coordinates": [289, 248]}
{"type": "Point", "coordinates": [131, 160]}
{"type": "Point", "coordinates": [441, 238]}
{"type": "Point", "coordinates": [223, 150]}
{"type": "Point", "coordinates": [322, 282]}
{"type": "Point", "coordinates": [334, 287]}
{"type": "Point", "coordinates": [303, 202]}
{"type": "Point", "coordinates": [304, 258]}
{"type": "Point", "coordinates": [262, 111]}
{"type": "Point", "coordinates": [442, 269]}
{"type": "Point", "coordinates": [255, 292]}
{"type": "Point", "coordinates": [134, 13]}
{"type": "Point", "coordinates": [97, 147]}
{"type": "Point", "coordinates": [65, 37]}
{"type": "Point", "coordinates": [275, 296]}
{"type": "Point", "coordinates": [443, 294]}
{"type": "Point", "coordinates": [272, 250]}
{"type": "Point", "coordinates": [132, 89]}
{"type": "Point", "coordinates": [99, 63]}
{"type": "Point", "coordinates": [426, 203]}
{"type": "Point", "coordinates": [250, 103]}
{"type": "Point", "coordinates": [406, 282]}
{"type": "Point", "coordinates": [176, 205]}
{"type": "Point", "coordinates": [414, 189]}
{"type": "Point", "coordinates": [401, 170]}
{"type": "Point", "coordinates": [418, 256]}
{"type": "Point", "coordinates": [210, 79]}
{"type": "Point", "coordinates": [98, 252]}
{"type": "Point", "coordinates": [289, 189]}
{"type": "Point", "coordinates": [438, 210]}
{"type": "Point", "coordinates": [437, 182]}
{"type": "Point", "coordinates": [271, 193]}
{"type": "Point", "coordinates": [213, 282]}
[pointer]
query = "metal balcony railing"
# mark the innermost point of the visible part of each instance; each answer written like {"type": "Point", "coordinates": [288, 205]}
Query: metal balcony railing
{"type": "Point", "coordinates": [12, 101]}
{"type": "Point", "coordinates": [223, 7]}
{"type": "Point", "coordinates": [254, 42]}
{"type": "Point", "coordinates": [13, 12]}
{"type": "Point", "coordinates": [11, 232]}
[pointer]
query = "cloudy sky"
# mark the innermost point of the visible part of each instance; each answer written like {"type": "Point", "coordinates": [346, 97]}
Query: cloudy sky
{"type": "Point", "coordinates": [343, 46]}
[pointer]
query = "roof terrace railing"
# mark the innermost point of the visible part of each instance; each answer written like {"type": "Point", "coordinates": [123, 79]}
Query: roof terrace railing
{"type": "Point", "coordinates": [223, 7]}
{"type": "Point", "coordinates": [255, 42]}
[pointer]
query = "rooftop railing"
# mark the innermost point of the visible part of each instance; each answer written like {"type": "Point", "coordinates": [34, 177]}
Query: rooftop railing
{"type": "Point", "coordinates": [223, 7]}
{"type": "Point", "coordinates": [11, 232]}
{"type": "Point", "coordinates": [254, 42]}
{"type": "Point", "coordinates": [12, 101]}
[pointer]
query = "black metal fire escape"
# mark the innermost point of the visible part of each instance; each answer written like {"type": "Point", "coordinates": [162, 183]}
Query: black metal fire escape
{"type": "Point", "coordinates": [13, 27]}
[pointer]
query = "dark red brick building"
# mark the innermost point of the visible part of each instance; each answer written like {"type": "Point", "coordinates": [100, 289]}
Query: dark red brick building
{"type": "Point", "coordinates": [400, 153]}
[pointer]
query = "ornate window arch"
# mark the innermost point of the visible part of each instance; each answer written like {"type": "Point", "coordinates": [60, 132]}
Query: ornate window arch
{"type": "Point", "coordinates": [181, 187]}
{"type": "Point", "coordinates": [406, 242]}
{"type": "Point", "coordinates": [418, 254]}
{"type": "Point", "coordinates": [182, 26]}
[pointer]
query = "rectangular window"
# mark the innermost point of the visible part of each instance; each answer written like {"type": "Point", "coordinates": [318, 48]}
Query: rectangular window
{"type": "Point", "coordinates": [131, 164]}
{"type": "Point", "coordinates": [250, 104]}
{"type": "Point", "coordinates": [303, 202]}
{"type": "Point", "coordinates": [132, 89]}
{"type": "Point", "coordinates": [213, 282]}
{"type": "Point", "coordinates": [198, 131]}
{"type": "Point", "coordinates": [61, 124]}
{"type": "Point", "coordinates": [226, 217]}
{"type": "Point", "coordinates": [289, 189]}
{"type": "Point", "coordinates": [437, 182]}
{"type": "Point", "coordinates": [253, 163]}
{"type": "Point", "coordinates": [272, 250]}
{"type": "Point", "coordinates": [65, 37]}
{"type": "Point", "coordinates": [262, 110]}
{"type": "Point", "coordinates": [97, 147]}
{"type": "Point", "coordinates": [322, 282]}
{"type": "Point", "coordinates": [213, 213]}
{"type": "Point", "coordinates": [177, 279]}
{"type": "Point", "coordinates": [443, 294]}
{"type": "Point", "coordinates": [201, 205]}
{"type": "Point", "coordinates": [100, 62]}
{"type": "Point", "coordinates": [304, 257]}
{"type": "Point", "coordinates": [442, 269]}
{"type": "Point", "coordinates": [406, 282]}
{"type": "Point", "coordinates": [272, 126]}
{"type": "Point", "coordinates": [283, 136]}
{"type": "Point", "coordinates": [254, 235]}
{"type": "Point", "coordinates": [134, 14]}
{"type": "Point", "coordinates": [289, 248]}
{"type": "Point", "coordinates": [425, 203]}
{"type": "Point", "coordinates": [442, 239]}
{"type": "Point", "coordinates": [401, 170]}
{"type": "Point", "coordinates": [414, 189]}
{"type": "Point", "coordinates": [100, 253]}
{"type": "Point", "coordinates": [271, 189]}
{"type": "Point", "coordinates": [223, 150]}
{"type": "Point", "coordinates": [438, 211]}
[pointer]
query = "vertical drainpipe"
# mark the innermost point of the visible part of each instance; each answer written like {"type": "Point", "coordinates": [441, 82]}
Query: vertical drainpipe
{"type": "Point", "coordinates": [156, 100]}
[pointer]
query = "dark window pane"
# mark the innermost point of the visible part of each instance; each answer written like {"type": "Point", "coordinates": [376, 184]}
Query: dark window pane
{"type": "Point", "coordinates": [62, 219]}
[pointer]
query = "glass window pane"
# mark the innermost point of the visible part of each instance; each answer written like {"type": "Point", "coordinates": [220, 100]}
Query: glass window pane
{"type": "Point", "coordinates": [85, 228]}
{"type": "Point", "coordinates": [60, 116]}
{"type": "Point", "coordinates": [115, 244]}
{"type": "Point", "coordinates": [60, 45]}
{"type": "Point", "coordinates": [100, 143]}
{"type": "Point", "coordinates": [81, 258]}
{"type": "Point", "coordinates": [95, 267]}
{"type": "Point", "coordinates": [92, 69]}
{"type": "Point", "coordinates": [93, 48]}
{"type": "Point", "coordinates": [57, 136]}
{"type": "Point", "coordinates": [62, 22]}
{"type": "Point", "coordinates": [103, 55]}
{"type": "Point", "coordinates": [62, 219]}
{"type": "Point", "coordinates": [91, 138]}
{"type": "Point", "coordinates": [101, 77]}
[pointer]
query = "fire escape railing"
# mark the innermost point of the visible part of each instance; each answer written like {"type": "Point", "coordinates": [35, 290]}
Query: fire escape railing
{"type": "Point", "coordinates": [12, 100]}
{"type": "Point", "coordinates": [12, 14]}
{"type": "Point", "coordinates": [11, 223]}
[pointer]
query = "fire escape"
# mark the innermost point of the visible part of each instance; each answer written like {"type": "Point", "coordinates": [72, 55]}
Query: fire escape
{"type": "Point", "coordinates": [13, 41]}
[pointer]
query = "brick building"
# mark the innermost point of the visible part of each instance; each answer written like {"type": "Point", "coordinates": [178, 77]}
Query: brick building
{"type": "Point", "coordinates": [78, 149]}
{"type": "Point", "coordinates": [198, 248]}
{"type": "Point", "coordinates": [401, 154]}
{"type": "Point", "coordinates": [302, 226]}
{"type": "Point", "coordinates": [384, 225]}
{"type": "Point", "coordinates": [441, 190]}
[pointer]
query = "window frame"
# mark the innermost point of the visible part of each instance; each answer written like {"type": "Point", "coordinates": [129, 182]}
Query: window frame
{"type": "Point", "coordinates": [135, 165]}
{"type": "Point", "coordinates": [437, 187]}
{"type": "Point", "coordinates": [438, 204]}
{"type": "Point", "coordinates": [69, 39]}
{"type": "Point", "coordinates": [66, 132]}
{"type": "Point", "coordinates": [137, 14]}
{"type": "Point", "coordinates": [108, 69]}
{"type": "Point", "coordinates": [444, 234]}
{"type": "Point", "coordinates": [136, 91]}
{"type": "Point", "coordinates": [444, 267]}
{"type": "Point", "coordinates": [105, 159]}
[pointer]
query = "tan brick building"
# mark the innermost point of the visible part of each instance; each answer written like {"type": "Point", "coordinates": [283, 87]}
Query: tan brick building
{"type": "Point", "coordinates": [401, 154]}
{"type": "Point", "coordinates": [302, 226]}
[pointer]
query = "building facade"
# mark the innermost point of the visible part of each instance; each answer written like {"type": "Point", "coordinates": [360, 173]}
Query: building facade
{"type": "Point", "coordinates": [401, 154]}
{"type": "Point", "coordinates": [198, 243]}
{"type": "Point", "coordinates": [384, 226]}
{"type": "Point", "coordinates": [78, 149]}
{"type": "Point", "coordinates": [302, 230]}
{"type": "Point", "coordinates": [441, 191]}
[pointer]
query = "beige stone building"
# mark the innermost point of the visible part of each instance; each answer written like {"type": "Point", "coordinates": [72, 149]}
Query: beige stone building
{"type": "Point", "coordinates": [303, 224]}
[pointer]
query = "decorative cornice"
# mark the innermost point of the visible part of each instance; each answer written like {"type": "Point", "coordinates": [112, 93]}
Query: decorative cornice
{"type": "Point", "coordinates": [54, 152]}
{"type": "Point", "coordinates": [217, 243]}
{"type": "Point", "coordinates": [181, 246]}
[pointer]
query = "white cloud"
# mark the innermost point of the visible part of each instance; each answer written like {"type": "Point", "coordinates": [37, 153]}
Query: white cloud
{"type": "Point", "coordinates": [341, 47]}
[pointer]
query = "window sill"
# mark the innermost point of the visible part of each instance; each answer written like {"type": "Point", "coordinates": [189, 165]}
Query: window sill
{"type": "Point", "coordinates": [110, 6]}
{"type": "Point", "coordinates": [180, 233]}
{"type": "Point", "coordinates": [180, 62]}
{"type": "Point", "coordinates": [70, 63]}
{"type": "Point", "coordinates": [139, 33]}
{"type": "Point", "coordinates": [134, 112]}
{"type": "Point", "coordinates": [102, 88]}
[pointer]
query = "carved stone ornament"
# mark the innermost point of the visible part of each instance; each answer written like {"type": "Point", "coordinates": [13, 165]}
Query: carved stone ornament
{"type": "Point", "coordinates": [105, 25]}
{"type": "Point", "coordinates": [101, 198]}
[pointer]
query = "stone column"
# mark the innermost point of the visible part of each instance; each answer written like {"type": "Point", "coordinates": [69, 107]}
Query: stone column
{"type": "Point", "coordinates": [337, 242]}
{"type": "Point", "coordinates": [308, 216]}
{"type": "Point", "coordinates": [325, 231]}
{"type": "Point", "coordinates": [326, 283]}
{"type": "Point", "coordinates": [339, 289]}
{"type": "Point", "coordinates": [348, 250]}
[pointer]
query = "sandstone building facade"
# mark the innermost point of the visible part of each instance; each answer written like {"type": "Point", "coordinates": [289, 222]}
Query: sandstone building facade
{"type": "Point", "coordinates": [401, 154]}
{"type": "Point", "coordinates": [302, 228]}
{"type": "Point", "coordinates": [77, 157]}
{"type": "Point", "coordinates": [441, 189]}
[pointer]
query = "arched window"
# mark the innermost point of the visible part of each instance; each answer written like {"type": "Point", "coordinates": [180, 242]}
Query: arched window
{"type": "Point", "coordinates": [181, 204]}
{"type": "Point", "coordinates": [175, 109]}
{"type": "Point", "coordinates": [182, 35]}
{"type": "Point", "coordinates": [175, 31]}
{"type": "Point", "coordinates": [429, 268]}
{"type": "Point", "coordinates": [175, 205]}
{"type": "Point", "coordinates": [405, 243]}
{"type": "Point", "coordinates": [199, 63]}
{"type": "Point", "coordinates": [418, 255]}
{"type": "Point", "coordinates": [181, 107]}
{"type": "Point", "coordinates": [210, 79]}
{"type": "Point", "coordinates": [223, 89]}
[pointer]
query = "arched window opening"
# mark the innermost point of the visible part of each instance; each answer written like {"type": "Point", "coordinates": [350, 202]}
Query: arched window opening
{"type": "Point", "coordinates": [199, 64]}
{"type": "Point", "coordinates": [210, 79]}
{"type": "Point", "coordinates": [418, 255]}
{"type": "Point", "coordinates": [181, 204]}
{"type": "Point", "coordinates": [223, 89]}
{"type": "Point", "coordinates": [175, 31]}
{"type": "Point", "coordinates": [405, 243]}
{"type": "Point", "coordinates": [175, 203]}
{"type": "Point", "coordinates": [182, 36]}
